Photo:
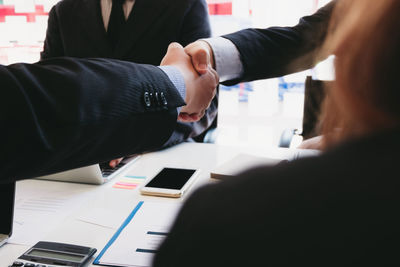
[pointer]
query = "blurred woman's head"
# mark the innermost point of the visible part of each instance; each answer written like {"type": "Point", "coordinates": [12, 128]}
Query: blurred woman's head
{"type": "Point", "coordinates": [365, 97]}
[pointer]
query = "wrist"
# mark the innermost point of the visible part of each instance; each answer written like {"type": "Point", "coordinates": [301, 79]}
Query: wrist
{"type": "Point", "coordinates": [227, 59]}
{"type": "Point", "coordinates": [177, 77]}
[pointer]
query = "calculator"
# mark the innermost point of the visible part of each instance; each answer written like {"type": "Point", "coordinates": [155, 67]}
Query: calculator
{"type": "Point", "coordinates": [53, 254]}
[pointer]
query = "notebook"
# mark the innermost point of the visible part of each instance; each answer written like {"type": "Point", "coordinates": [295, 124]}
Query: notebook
{"type": "Point", "coordinates": [7, 198]}
{"type": "Point", "coordinates": [242, 162]}
{"type": "Point", "coordinates": [238, 164]}
{"type": "Point", "coordinates": [93, 174]}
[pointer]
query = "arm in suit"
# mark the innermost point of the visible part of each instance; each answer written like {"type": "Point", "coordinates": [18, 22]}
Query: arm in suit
{"type": "Point", "coordinates": [64, 113]}
{"type": "Point", "coordinates": [277, 51]}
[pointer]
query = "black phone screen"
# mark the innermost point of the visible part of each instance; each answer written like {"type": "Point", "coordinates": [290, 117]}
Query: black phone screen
{"type": "Point", "coordinates": [171, 178]}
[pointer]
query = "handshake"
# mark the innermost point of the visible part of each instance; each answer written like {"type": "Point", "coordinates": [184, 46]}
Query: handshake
{"type": "Point", "coordinates": [196, 64]}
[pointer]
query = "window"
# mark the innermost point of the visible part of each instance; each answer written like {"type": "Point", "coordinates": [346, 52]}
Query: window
{"type": "Point", "coordinates": [256, 113]}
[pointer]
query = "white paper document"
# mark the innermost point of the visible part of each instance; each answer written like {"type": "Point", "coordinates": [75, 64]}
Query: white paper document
{"type": "Point", "coordinates": [40, 206]}
{"type": "Point", "coordinates": [138, 238]}
{"type": "Point", "coordinates": [101, 216]}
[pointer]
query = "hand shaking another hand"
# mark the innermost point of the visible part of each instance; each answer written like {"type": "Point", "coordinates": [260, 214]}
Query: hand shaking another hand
{"type": "Point", "coordinates": [202, 56]}
{"type": "Point", "coordinates": [201, 80]}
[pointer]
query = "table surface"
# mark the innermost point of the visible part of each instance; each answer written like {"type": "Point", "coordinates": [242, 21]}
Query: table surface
{"type": "Point", "coordinates": [121, 201]}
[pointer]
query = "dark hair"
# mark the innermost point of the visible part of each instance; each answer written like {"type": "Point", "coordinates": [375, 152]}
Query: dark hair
{"type": "Point", "coordinates": [365, 96]}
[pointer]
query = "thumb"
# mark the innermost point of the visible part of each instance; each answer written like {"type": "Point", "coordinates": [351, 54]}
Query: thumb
{"type": "Point", "coordinates": [175, 48]}
{"type": "Point", "coordinates": [201, 60]}
{"type": "Point", "coordinates": [175, 51]}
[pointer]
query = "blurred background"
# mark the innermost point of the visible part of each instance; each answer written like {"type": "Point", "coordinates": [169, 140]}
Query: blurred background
{"type": "Point", "coordinates": [250, 114]}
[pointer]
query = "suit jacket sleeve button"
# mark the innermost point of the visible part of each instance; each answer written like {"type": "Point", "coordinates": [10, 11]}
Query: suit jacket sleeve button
{"type": "Point", "coordinates": [147, 100]}
{"type": "Point", "coordinates": [163, 99]}
{"type": "Point", "coordinates": [157, 99]}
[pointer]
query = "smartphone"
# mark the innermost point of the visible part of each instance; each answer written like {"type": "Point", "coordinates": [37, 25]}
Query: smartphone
{"type": "Point", "coordinates": [169, 182]}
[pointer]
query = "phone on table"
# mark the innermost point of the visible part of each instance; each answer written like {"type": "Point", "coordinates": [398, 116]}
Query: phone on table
{"type": "Point", "coordinates": [170, 182]}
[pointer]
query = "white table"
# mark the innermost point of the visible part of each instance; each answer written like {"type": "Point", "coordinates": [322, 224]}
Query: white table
{"type": "Point", "coordinates": [120, 202]}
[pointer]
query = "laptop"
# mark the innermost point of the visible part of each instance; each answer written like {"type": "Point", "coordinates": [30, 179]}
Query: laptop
{"type": "Point", "coordinates": [93, 174]}
{"type": "Point", "coordinates": [7, 198]}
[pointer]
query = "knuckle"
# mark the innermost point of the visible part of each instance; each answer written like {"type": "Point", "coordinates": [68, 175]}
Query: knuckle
{"type": "Point", "coordinates": [174, 45]}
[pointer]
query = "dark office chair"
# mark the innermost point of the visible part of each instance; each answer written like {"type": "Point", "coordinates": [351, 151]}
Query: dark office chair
{"type": "Point", "coordinates": [314, 94]}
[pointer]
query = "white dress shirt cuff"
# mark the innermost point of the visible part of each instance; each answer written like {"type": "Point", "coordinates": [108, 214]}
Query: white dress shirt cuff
{"type": "Point", "coordinates": [227, 58]}
{"type": "Point", "coordinates": [177, 79]}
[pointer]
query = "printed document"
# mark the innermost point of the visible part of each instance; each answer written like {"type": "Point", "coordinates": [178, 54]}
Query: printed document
{"type": "Point", "coordinates": [37, 199]}
{"type": "Point", "coordinates": [138, 238]}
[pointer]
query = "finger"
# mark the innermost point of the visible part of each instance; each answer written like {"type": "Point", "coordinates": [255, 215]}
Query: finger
{"type": "Point", "coordinates": [200, 54]}
{"type": "Point", "coordinates": [174, 45]}
{"type": "Point", "coordinates": [194, 117]}
{"type": "Point", "coordinates": [201, 115]}
{"type": "Point", "coordinates": [184, 117]}
{"type": "Point", "coordinates": [197, 116]}
{"type": "Point", "coordinates": [214, 81]}
{"type": "Point", "coordinates": [215, 74]}
{"type": "Point", "coordinates": [187, 119]}
{"type": "Point", "coordinates": [190, 118]}
{"type": "Point", "coordinates": [113, 163]}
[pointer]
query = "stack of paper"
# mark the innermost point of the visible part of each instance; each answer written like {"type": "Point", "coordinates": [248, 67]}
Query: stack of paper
{"type": "Point", "coordinates": [240, 163]}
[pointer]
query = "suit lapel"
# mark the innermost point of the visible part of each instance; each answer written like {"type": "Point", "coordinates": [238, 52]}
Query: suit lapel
{"type": "Point", "coordinates": [91, 20]}
{"type": "Point", "coordinates": [142, 16]}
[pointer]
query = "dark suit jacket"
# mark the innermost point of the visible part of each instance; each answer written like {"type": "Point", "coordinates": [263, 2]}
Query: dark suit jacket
{"type": "Point", "coordinates": [76, 29]}
{"type": "Point", "coordinates": [337, 209]}
{"type": "Point", "coordinates": [64, 113]}
{"type": "Point", "coordinates": [278, 51]}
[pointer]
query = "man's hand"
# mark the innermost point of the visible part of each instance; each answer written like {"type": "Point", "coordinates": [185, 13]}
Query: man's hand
{"type": "Point", "coordinates": [315, 142]}
{"type": "Point", "coordinates": [202, 56]}
{"type": "Point", "coordinates": [200, 89]}
{"type": "Point", "coordinates": [113, 163]}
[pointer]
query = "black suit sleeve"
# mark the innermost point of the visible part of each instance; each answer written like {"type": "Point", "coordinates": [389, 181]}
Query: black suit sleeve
{"type": "Point", "coordinates": [53, 45]}
{"type": "Point", "coordinates": [64, 113]}
{"type": "Point", "coordinates": [278, 51]}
